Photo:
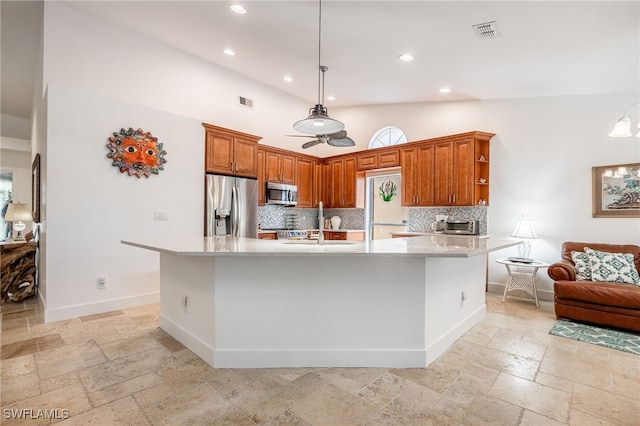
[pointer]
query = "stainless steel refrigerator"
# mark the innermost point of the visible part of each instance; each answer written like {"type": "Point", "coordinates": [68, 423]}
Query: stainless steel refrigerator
{"type": "Point", "coordinates": [231, 206]}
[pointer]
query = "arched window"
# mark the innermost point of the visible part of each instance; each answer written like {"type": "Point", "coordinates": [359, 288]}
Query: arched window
{"type": "Point", "coordinates": [387, 136]}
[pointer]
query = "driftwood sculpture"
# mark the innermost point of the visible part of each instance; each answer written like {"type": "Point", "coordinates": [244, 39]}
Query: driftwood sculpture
{"type": "Point", "coordinates": [18, 271]}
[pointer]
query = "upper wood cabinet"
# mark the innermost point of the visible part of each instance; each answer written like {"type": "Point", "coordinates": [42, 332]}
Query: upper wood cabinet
{"type": "Point", "coordinates": [230, 152]}
{"type": "Point", "coordinates": [454, 173]}
{"type": "Point", "coordinates": [262, 190]}
{"type": "Point", "coordinates": [344, 182]}
{"type": "Point", "coordinates": [379, 158]}
{"type": "Point", "coordinates": [447, 171]}
{"type": "Point", "coordinates": [418, 175]}
{"type": "Point", "coordinates": [305, 182]}
{"type": "Point", "coordinates": [279, 167]}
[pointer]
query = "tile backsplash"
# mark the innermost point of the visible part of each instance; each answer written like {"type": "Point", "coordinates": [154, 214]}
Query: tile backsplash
{"type": "Point", "coordinates": [419, 219]}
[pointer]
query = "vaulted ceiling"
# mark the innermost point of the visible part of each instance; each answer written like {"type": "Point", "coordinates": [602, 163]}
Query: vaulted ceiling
{"type": "Point", "coordinates": [545, 48]}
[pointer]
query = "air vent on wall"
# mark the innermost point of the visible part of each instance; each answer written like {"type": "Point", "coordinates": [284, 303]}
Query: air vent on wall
{"type": "Point", "coordinates": [245, 102]}
{"type": "Point", "coordinates": [486, 30]}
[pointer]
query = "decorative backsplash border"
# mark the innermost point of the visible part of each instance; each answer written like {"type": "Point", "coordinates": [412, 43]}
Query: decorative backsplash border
{"type": "Point", "coordinates": [419, 219]}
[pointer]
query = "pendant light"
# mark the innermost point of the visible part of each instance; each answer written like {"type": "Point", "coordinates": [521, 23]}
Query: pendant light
{"type": "Point", "coordinates": [622, 128]}
{"type": "Point", "coordinates": [318, 122]}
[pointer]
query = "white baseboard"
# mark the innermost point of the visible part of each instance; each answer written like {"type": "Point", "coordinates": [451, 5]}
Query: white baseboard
{"type": "Point", "coordinates": [437, 348]}
{"type": "Point", "coordinates": [75, 311]}
{"type": "Point", "coordinates": [546, 295]}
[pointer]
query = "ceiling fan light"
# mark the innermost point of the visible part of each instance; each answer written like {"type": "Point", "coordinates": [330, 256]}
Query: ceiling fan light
{"type": "Point", "coordinates": [318, 122]}
{"type": "Point", "coordinates": [622, 129]}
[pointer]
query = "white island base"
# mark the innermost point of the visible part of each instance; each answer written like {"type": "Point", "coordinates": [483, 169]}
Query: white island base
{"type": "Point", "coordinates": [291, 310]}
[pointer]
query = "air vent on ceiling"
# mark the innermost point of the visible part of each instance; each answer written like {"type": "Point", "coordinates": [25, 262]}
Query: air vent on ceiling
{"type": "Point", "coordinates": [245, 102]}
{"type": "Point", "coordinates": [486, 30]}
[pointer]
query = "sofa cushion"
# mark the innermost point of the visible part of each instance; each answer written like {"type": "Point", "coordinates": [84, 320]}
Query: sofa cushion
{"type": "Point", "coordinates": [599, 293]}
{"type": "Point", "coordinates": [569, 246]}
{"type": "Point", "coordinates": [612, 267]}
{"type": "Point", "coordinates": [583, 267]}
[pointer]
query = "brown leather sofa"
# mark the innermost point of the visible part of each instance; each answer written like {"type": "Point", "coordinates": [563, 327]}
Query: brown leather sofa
{"type": "Point", "coordinates": [601, 303]}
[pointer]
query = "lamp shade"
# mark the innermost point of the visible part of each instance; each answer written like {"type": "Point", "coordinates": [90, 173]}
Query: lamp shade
{"type": "Point", "coordinates": [318, 122]}
{"type": "Point", "coordinates": [18, 212]}
{"type": "Point", "coordinates": [524, 229]}
{"type": "Point", "coordinates": [622, 129]}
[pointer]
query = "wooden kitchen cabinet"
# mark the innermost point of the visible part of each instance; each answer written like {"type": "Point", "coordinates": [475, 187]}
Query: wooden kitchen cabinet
{"type": "Point", "coordinates": [262, 190]}
{"type": "Point", "coordinates": [279, 167]}
{"type": "Point", "coordinates": [343, 190]}
{"type": "Point", "coordinates": [454, 173]}
{"type": "Point", "coordinates": [379, 158]}
{"type": "Point", "coordinates": [305, 182]}
{"type": "Point", "coordinates": [344, 235]}
{"type": "Point", "coordinates": [230, 152]}
{"type": "Point", "coordinates": [418, 175]}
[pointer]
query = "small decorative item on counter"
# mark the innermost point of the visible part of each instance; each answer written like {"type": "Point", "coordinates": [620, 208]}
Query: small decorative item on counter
{"type": "Point", "coordinates": [482, 158]}
{"type": "Point", "coordinates": [136, 152]}
{"type": "Point", "coordinates": [482, 202]}
{"type": "Point", "coordinates": [482, 180]}
{"type": "Point", "coordinates": [335, 222]}
{"type": "Point", "coordinates": [387, 190]}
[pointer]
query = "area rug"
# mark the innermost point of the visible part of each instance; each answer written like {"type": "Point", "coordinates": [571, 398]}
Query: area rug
{"type": "Point", "coordinates": [613, 339]}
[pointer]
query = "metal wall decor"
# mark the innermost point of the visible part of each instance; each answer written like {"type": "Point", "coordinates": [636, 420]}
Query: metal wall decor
{"type": "Point", "coordinates": [387, 190]}
{"type": "Point", "coordinates": [136, 152]}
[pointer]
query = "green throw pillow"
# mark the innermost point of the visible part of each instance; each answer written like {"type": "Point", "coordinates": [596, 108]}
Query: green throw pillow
{"type": "Point", "coordinates": [583, 267]}
{"type": "Point", "coordinates": [612, 267]}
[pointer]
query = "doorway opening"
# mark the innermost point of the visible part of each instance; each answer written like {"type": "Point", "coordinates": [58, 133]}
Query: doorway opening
{"type": "Point", "coordinates": [384, 213]}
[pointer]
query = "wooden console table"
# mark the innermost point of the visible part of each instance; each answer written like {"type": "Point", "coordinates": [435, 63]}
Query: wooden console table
{"type": "Point", "coordinates": [17, 270]}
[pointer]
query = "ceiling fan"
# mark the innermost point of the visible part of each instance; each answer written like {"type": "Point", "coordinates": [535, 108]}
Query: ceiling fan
{"type": "Point", "coordinates": [318, 123]}
{"type": "Point", "coordinates": [339, 138]}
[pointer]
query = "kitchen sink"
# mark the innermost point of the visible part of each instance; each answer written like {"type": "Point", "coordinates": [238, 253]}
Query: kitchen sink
{"type": "Point", "coordinates": [315, 242]}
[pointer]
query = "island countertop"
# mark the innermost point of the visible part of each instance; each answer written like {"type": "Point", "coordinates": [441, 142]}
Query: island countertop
{"type": "Point", "coordinates": [424, 246]}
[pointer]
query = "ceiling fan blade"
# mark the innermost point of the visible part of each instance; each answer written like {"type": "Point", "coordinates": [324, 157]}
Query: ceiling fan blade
{"type": "Point", "coordinates": [310, 144]}
{"type": "Point", "coordinates": [301, 136]}
{"type": "Point", "coordinates": [341, 142]}
{"type": "Point", "coordinates": [338, 135]}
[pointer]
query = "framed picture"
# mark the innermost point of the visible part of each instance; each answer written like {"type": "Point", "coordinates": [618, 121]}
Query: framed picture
{"type": "Point", "coordinates": [35, 189]}
{"type": "Point", "coordinates": [616, 190]}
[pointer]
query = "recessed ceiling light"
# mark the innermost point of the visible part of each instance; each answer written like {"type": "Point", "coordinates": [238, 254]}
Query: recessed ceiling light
{"type": "Point", "coordinates": [287, 79]}
{"type": "Point", "coordinates": [238, 9]}
{"type": "Point", "coordinates": [445, 90]}
{"type": "Point", "coordinates": [331, 98]}
{"type": "Point", "coordinates": [229, 52]}
{"type": "Point", "coordinates": [406, 57]}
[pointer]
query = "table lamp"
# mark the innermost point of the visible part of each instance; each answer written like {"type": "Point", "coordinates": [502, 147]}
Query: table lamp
{"type": "Point", "coordinates": [17, 213]}
{"type": "Point", "coordinates": [524, 230]}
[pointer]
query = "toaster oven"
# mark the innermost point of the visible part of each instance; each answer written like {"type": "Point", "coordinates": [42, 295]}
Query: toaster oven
{"type": "Point", "coordinates": [462, 227]}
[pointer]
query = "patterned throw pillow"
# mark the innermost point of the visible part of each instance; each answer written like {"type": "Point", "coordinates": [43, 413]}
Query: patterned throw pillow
{"type": "Point", "coordinates": [612, 267]}
{"type": "Point", "coordinates": [583, 267]}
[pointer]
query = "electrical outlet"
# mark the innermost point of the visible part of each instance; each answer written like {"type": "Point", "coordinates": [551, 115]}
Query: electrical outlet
{"type": "Point", "coordinates": [161, 215]}
{"type": "Point", "coordinates": [102, 283]}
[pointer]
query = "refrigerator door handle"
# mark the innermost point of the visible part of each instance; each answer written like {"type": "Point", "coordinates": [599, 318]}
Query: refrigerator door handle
{"type": "Point", "coordinates": [234, 208]}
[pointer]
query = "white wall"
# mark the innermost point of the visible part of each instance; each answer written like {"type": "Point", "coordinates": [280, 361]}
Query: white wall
{"type": "Point", "coordinates": [91, 206]}
{"type": "Point", "coordinates": [541, 158]}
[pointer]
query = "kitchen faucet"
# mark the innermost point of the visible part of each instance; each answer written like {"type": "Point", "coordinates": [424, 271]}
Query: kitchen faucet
{"type": "Point", "coordinates": [320, 224]}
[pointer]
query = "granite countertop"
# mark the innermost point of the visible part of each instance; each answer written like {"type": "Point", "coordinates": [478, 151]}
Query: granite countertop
{"type": "Point", "coordinates": [423, 246]}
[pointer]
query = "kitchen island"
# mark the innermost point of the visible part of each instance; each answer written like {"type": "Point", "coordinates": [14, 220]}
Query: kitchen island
{"type": "Point", "coordinates": [249, 303]}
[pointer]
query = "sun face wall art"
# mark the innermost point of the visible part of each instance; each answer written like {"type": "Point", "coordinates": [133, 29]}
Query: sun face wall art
{"type": "Point", "coordinates": [136, 152]}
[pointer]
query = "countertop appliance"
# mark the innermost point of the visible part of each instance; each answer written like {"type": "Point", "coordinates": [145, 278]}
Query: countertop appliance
{"type": "Point", "coordinates": [462, 227]}
{"type": "Point", "coordinates": [281, 193]}
{"type": "Point", "coordinates": [231, 206]}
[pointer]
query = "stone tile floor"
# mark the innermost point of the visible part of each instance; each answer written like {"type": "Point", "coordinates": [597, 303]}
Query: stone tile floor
{"type": "Point", "coordinates": [120, 368]}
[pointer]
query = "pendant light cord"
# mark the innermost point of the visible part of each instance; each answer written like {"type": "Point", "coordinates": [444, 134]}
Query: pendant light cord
{"type": "Point", "coordinates": [319, 46]}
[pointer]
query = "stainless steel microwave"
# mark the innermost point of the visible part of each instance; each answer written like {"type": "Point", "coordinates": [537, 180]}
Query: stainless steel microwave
{"type": "Point", "coordinates": [462, 227]}
{"type": "Point", "coordinates": [282, 194]}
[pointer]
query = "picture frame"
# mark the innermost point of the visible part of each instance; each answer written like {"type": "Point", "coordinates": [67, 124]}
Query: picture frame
{"type": "Point", "coordinates": [616, 190]}
{"type": "Point", "coordinates": [35, 189]}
